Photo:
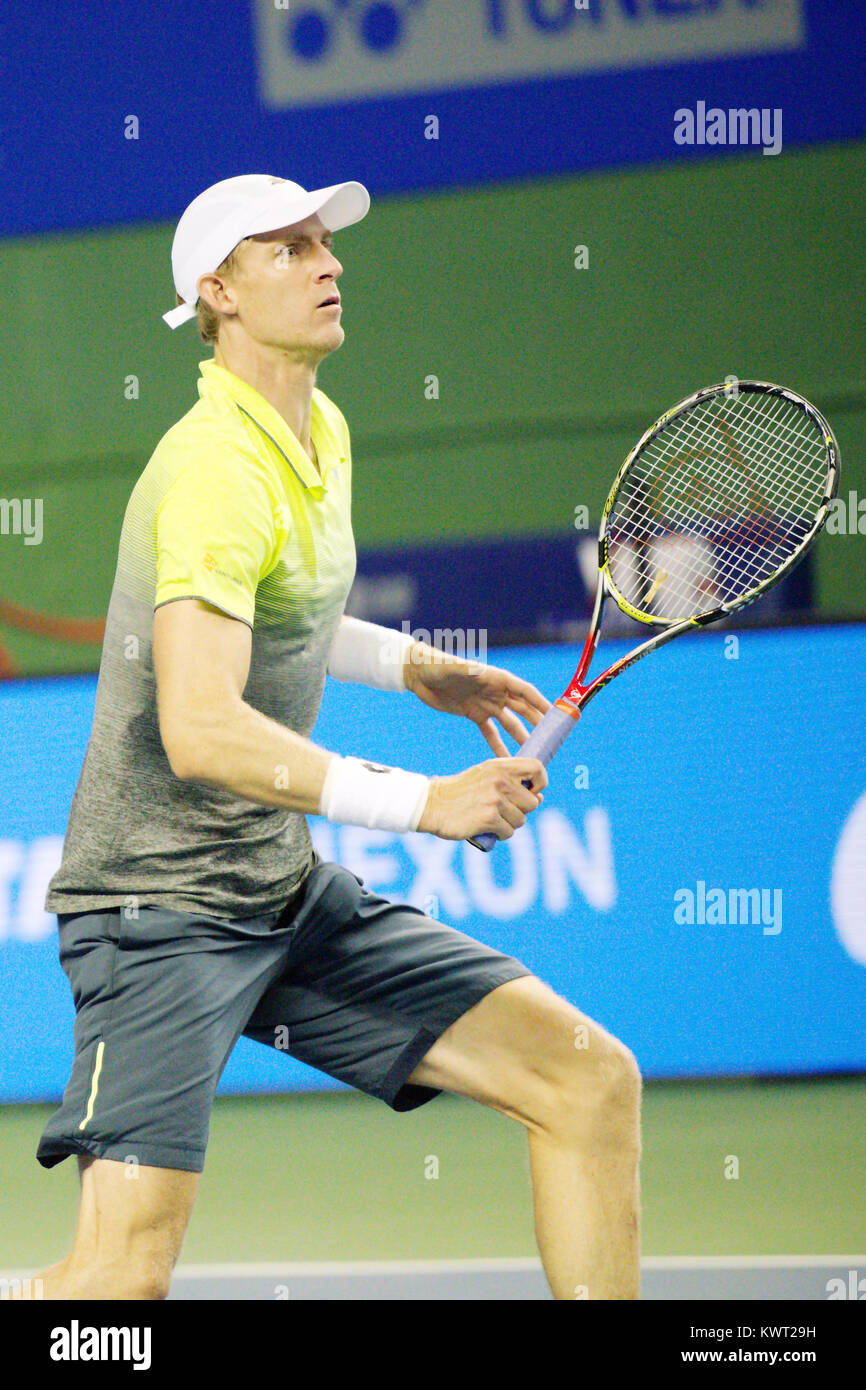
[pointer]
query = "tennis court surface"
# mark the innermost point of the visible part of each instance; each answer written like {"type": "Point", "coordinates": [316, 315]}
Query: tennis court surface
{"type": "Point", "coordinates": [329, 1196]}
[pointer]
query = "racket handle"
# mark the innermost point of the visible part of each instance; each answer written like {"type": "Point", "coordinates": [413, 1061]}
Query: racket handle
{"type": "Point", "coordinates": [546, 738]}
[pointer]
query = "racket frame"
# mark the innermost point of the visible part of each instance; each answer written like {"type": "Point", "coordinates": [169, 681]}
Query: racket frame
{"type": "Point", "coordinates": [578, 694]}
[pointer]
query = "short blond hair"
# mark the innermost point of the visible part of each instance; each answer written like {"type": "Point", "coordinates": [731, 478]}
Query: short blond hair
{"type": "Point", "coordinates": [208, 321]}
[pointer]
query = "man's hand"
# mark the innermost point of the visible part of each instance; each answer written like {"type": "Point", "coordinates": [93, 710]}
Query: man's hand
{"type": "Point", "coordinates": [489, 796]}
{"type": "Point", "coordinates": [480, 693]}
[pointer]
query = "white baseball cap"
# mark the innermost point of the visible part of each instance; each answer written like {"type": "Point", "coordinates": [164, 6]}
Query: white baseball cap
{"type": "Point", "coordinates": [227, 212]}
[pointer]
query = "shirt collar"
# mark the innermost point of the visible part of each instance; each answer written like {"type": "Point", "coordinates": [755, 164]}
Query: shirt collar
{"type": "Point", "coordinates": [253, 406]}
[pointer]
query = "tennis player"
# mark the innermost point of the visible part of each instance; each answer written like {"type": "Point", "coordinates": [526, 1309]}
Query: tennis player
{"type": "Point", "coordinates": [191, 905]}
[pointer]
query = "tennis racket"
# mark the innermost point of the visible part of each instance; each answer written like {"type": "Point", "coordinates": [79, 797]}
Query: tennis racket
{"type": "Point", "coordinates": [718, 500]}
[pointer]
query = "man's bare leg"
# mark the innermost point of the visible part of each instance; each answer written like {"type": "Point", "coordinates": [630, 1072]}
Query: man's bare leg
{"type": "Point", "coordinates": [587, 1221]}
{"type": "Point", "coordinates": [529, 1054]}
{"type": "Point", "coordinates": [131, 1225]}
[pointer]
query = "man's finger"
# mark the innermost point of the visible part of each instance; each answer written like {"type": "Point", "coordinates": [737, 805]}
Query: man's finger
{"type": "Point", "coordinates": [531, 713]}
{"type": "Point", "coordinates": [494, 738]}
{"type": "Point", "coordinates": [530, 770]}
{"type": "Point", "coordinates": [521, 693]}
{"type": "Point", "coordinates": [513, 725]}
{"type": "Point", "coordinates": [512, 815]}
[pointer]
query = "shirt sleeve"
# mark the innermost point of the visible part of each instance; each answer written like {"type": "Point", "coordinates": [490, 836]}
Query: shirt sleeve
{"type": "Point", "coordinates": [216, 532]}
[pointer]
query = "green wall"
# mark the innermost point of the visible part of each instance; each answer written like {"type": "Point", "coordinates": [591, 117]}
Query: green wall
{"type": "Point", "coordinates": [547, 374]}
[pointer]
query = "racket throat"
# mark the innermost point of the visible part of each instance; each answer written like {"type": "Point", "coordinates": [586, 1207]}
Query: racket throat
{"type": "Point", "coordinates": [569, 705]}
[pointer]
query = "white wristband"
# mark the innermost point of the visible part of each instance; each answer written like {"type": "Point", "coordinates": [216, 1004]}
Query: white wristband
{"type": "Point", "coordinates": [369, 654]}
{"type": "Point", "coordinates": [382, 798]}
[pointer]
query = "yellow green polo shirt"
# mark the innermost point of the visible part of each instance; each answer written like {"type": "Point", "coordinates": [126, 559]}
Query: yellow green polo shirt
{"type": "Point", "coordinates": [230, 510]}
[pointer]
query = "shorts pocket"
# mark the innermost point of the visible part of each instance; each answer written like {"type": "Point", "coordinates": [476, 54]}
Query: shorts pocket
{"type": "Point", "coordinates": [332, 899]}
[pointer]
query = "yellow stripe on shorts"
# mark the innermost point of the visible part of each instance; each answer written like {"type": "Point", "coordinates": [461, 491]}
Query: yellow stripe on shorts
{"type": "Point", "coordinates": [94, 1085]}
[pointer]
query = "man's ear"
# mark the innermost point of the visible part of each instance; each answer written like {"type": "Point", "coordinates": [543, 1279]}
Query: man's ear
{"type": "Point", "coordinates": [217, 293]}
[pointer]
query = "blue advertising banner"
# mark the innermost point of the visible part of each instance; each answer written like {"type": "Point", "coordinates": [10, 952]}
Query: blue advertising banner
{"type": "Point", "coordinates": [120, 113]}
{"type": "Point", "coordinates": [695, 879]}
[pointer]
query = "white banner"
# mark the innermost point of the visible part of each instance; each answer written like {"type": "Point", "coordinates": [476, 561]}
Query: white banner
{"type": "Point", "coordinates": [313, 52]}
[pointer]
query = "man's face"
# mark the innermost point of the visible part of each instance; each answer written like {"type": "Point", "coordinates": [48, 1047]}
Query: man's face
{"type": "Point", "coordinates": [281, 280]}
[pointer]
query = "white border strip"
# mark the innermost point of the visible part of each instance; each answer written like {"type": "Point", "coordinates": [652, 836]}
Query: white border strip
{"type": "Point", "coordinates": [253, 1269]}
{"type": "Point", "coordinates": [509, 1264]}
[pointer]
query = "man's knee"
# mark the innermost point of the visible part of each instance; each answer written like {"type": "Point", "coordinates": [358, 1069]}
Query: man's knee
{"type": "Point", "coordinates": [143, 1271]}
{"type": "Point", "coordinates": [590, 1083]}
{"type": "Point", "coordinates": [149, 1277]}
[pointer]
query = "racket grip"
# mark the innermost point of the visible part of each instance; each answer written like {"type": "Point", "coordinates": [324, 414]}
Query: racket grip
{"type": "Point", "coordinates": [546, 738]}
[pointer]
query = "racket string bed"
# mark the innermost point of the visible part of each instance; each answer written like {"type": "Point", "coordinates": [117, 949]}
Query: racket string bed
{"type": "Point", "coordinates": [719, 500]}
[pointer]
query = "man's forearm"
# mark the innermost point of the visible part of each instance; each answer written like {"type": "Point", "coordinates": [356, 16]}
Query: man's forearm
{"type": "Point", "coordinates": [258, 759]}
{"type": "Point", "coordinates": [255, 757]}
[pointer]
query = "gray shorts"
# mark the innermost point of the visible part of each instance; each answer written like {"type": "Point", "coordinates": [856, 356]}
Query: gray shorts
{"type": "Point", "coordinates": [341, 979]}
